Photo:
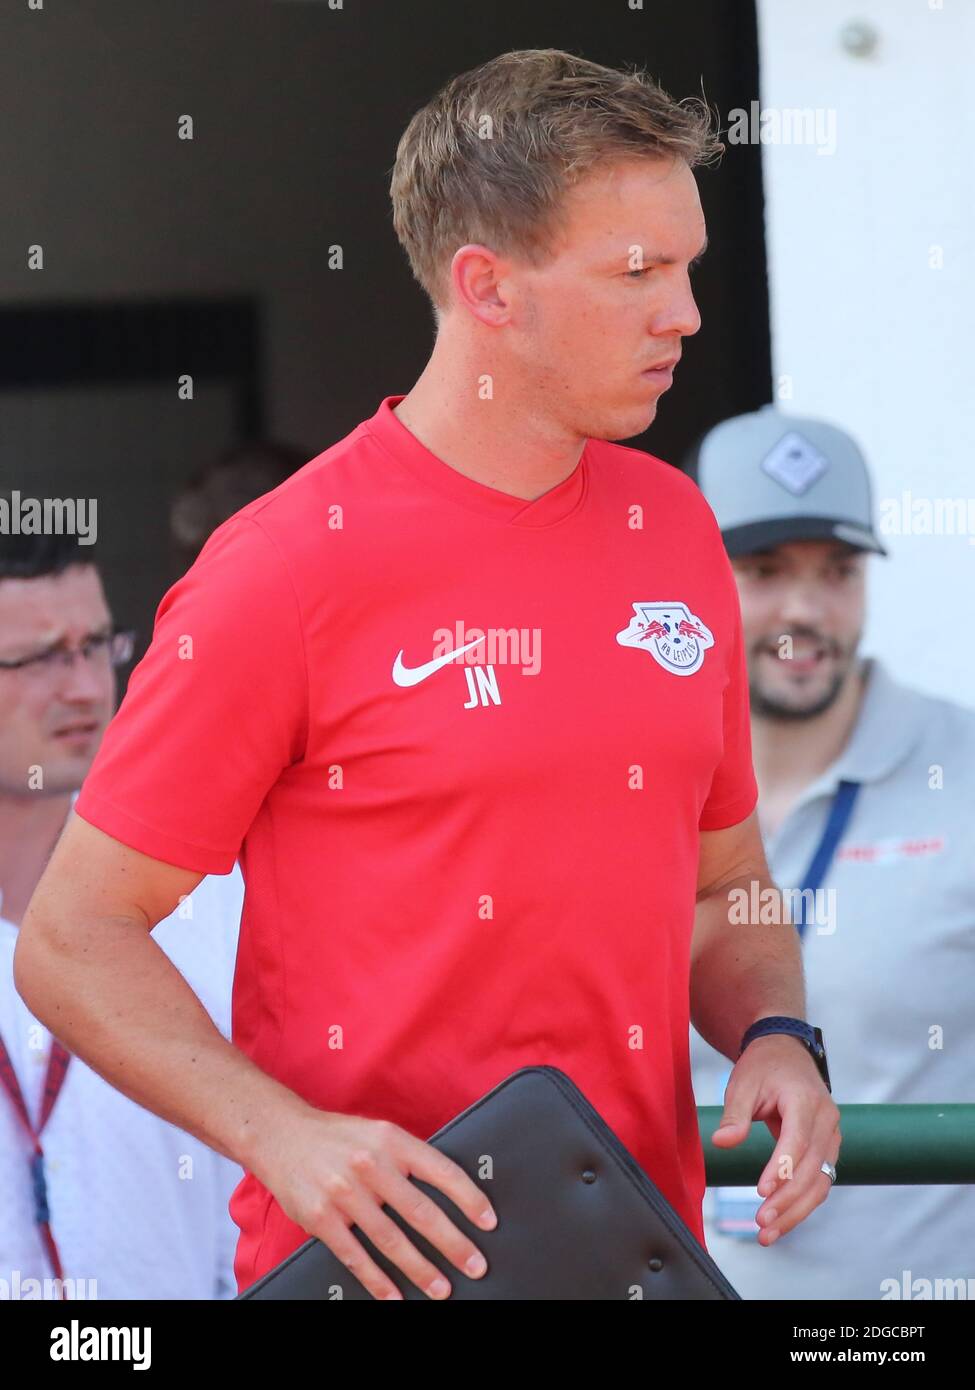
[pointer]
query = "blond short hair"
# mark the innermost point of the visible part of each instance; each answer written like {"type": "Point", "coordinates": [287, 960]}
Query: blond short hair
{"type": "Point", "coordinates": [490, 158]}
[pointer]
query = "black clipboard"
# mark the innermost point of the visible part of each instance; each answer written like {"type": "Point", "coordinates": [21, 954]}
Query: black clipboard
{"type": "Point", "coordinates": [578, 1218]}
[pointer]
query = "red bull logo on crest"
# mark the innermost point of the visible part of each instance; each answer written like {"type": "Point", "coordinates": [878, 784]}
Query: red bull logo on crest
{"type": "Point", "coordinates": [674, 637]}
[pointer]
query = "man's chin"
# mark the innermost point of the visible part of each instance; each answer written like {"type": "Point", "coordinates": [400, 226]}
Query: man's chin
{"type": "Point", "coordinates": [627, 424]}
{"type": "Point", "coordinates": [793, 705]}
{"type": "Point", "coordinates": [66, 772]}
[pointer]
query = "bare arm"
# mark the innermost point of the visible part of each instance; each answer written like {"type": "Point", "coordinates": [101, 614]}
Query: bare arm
{"type": "Point", "coordinates": [740, 972]}
{"type": "Point", "coordinates": [87, 966]}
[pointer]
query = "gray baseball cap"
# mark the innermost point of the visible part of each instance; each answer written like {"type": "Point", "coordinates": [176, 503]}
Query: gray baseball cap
{"type": "Point", "coordinates": [772, 478]}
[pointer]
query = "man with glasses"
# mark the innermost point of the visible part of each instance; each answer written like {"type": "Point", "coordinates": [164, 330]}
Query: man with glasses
{"type": "Point", "coordinates": [78, 1156]}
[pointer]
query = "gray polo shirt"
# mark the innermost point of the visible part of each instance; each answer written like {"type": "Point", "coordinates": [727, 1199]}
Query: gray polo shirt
{"type": "Point", "coordinates": [889, 959]}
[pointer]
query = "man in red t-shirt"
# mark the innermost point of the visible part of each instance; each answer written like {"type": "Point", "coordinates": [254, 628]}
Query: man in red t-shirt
{"type": "Point", "coordinates": [467, 697]}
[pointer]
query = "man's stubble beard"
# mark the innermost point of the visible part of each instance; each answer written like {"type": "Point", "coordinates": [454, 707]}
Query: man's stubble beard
{"type": "Point", "coordinates": [766, 706]}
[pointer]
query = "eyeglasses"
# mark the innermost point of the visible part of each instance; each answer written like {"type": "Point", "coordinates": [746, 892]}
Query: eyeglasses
{"type": "Point", "coordinates": [107, 649]}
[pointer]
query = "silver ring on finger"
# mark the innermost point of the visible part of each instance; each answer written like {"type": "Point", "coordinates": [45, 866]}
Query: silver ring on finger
{"type": "Point", "coordinates": [830, 1172]}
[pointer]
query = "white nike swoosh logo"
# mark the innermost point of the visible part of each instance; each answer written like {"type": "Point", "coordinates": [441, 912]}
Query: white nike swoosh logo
{"type": "Point", "coordinates": [412, 675]}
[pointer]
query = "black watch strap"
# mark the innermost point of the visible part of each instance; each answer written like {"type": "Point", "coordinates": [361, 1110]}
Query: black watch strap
{"type": "Point", "coordinates": [797, 1028]}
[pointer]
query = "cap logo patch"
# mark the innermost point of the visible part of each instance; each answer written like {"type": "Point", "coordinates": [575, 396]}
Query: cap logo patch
{"type": "Point", "coordinates": [794, 463]}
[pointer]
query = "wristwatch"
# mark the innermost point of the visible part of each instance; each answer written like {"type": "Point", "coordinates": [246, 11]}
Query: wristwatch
{"type": "Point", "coordinates": [805, 1032]}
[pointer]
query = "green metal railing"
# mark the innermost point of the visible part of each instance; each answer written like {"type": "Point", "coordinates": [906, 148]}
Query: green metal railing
{"type": "Point", "coordinates": [896, 1144]}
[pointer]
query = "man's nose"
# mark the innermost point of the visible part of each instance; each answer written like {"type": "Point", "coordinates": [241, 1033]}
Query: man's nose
{"type": "Point", "coordinates": [83, 680]}
{"type": "Point", "coordinates": [679, 314]}
{"type": "Point", "coordinates": [802, 604]}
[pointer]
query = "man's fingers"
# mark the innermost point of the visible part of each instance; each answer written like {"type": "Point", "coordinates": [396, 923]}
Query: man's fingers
{"type": "Point", "coordinates": [800, 1128]}
{"type": "Point", "coordinates": [807, 1178]}
{"type": "Point", "coordinates": [347, 1248]}
{"type": "Point", "coordinates": [391, 1185]}
{"type": "Point", "coordinates": [812, 1195]}
{"type": "Point", "coordinates": [731, 1132]}
{"type": "Point", "coordinates": [362, 1206]}
{"type": "Point", "coordinates": [790, 1149]}
{"type": "Point", "coordinates": [431, 1166]}
{"type": "Point", "coordinates": [435, 1225]}
{"type": "Point", "coordinates": [390, 1240]}
{"type": "Point", "coordinates": [822, 1136]}
{"type": "Point", "coordinates": [806, 1189]}
{"type": "Point", "coordinates": [736, 1118]}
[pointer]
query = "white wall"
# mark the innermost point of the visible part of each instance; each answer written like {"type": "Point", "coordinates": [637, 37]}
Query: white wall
{"type": "Point", "coordinates": [865, 328]}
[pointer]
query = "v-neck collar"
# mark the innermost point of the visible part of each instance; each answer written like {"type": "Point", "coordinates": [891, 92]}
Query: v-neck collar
{"type": "Point", "coordinates": [550, 508]}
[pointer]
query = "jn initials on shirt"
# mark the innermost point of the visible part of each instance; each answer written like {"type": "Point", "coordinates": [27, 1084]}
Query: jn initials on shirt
{"type": "Point", "coordinates": [518, 646]}
{"type": "Point", "coordinates": [487, 684]}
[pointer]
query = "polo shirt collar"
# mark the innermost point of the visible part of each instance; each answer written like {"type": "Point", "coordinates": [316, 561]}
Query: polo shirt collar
{"type": "Point", "coordinates": [888, 727]}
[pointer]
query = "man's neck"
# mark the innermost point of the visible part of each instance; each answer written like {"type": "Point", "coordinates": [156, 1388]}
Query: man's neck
{"type": "Point", "coordinates": [501, 442]}
{"type": "Point", "coordinates": [30, 825]}
{"type": "Point", "coordinates": [790, 754]}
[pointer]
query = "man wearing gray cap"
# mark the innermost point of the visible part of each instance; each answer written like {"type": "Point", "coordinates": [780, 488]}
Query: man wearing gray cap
{"type": "Point", "coordinates": [865, 811]}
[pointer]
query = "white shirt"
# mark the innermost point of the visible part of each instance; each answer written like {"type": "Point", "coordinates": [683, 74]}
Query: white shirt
{"type": "Point", "coordinates": [138, 1206]}
{"type": "Point", "coordinates": [898, 965]}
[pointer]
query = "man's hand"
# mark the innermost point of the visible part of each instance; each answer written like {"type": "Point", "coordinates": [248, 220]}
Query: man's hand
{"type": "Point", "coordinates": [776, 1080]}
{"type": "Point", "coordinates": [330, 1171]}
{"type": "Point", "coordinates": [87, 966]}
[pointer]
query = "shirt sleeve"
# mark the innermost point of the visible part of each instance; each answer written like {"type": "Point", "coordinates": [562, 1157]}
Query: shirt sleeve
{"type": "Point", "coordinates": [734, 790]}
{"type": "Point", "coordinates": [229, 1177]}
{"type": "Point", "coordinates": [213, 713]}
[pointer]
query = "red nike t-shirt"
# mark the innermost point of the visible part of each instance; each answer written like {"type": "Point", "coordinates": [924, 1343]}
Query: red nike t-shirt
{"type": "Point", "coordinates": [462, 744]}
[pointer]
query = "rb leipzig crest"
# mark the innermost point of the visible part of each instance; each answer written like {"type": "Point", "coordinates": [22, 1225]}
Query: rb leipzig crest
{"type": "Point", "coordinates": [674, 637]}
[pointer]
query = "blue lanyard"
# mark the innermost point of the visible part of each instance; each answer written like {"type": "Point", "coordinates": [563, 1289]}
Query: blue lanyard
{"type": "Point", "coordinates": [839, 815]}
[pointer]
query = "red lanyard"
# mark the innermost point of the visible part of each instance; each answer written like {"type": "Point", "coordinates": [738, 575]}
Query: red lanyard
{"type": "Point", "coordinates": [56, 1067]}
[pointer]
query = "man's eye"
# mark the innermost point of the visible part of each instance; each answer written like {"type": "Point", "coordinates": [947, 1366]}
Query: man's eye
{"type": "Point", "coordinates": [644, 270]}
